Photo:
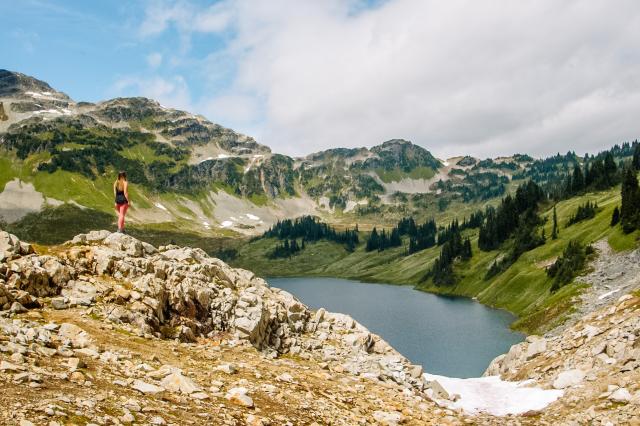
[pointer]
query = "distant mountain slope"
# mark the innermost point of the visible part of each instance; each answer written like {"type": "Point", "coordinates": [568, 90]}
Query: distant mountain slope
{"type": "Point", "coordinates": [206, 178]}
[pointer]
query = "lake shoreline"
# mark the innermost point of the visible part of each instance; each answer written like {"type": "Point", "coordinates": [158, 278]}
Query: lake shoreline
{"type": "Point", "coordinates": [416, 287]}
{"type": "Point", "coordinates": [448, 334]}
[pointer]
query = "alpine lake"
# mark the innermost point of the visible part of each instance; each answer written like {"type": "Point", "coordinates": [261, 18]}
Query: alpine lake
{"type": "Point", "coordinates": [450, 336]}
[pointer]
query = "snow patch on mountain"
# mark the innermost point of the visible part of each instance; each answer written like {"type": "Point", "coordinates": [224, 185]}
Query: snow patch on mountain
{"type": "Point", "coordinates": [495, 396]}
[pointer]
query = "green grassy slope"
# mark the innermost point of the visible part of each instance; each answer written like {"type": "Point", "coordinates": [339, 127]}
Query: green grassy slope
{"type": "Point", "coordinates": [523, 289]}
{"type": "Point", "coordinates": [55, 225]}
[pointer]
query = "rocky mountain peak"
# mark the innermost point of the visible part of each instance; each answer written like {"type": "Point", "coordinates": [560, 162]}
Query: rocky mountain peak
{"type": "Point", "coordinates": [391, 143]}
{"type": "Point", "coordinates": [15, 84]}
{"type": "Point", "coordinates": [403, 154]}
{"type": "Point", "coordinates": [397, 145]}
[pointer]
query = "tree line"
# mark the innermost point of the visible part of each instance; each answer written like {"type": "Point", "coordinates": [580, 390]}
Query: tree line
{"type": "Point", "coordinates": [310, 229]}
{"type": "Point", "coordinates": [455, 247]}
{"type": "Point", "coordinates": [516, 218]}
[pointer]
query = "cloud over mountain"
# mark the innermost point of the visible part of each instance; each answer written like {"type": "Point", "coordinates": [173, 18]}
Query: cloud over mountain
{"type": "Point", "coordinates": [459, 76]}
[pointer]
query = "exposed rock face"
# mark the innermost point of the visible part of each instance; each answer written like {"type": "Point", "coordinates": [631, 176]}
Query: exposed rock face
{"type": "Point", "coordinates": [183, 293]}
{"type": "Point", "coordinates": [74, 326]}
{"type": "Point", "coordinates": [16, 84]}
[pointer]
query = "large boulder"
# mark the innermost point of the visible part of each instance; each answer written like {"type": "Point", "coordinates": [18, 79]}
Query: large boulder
{"type": "Point", "coordinates": [536, 346]}
{"type": "Point", "coordinates": [74, 336]}
{"type": "Point", "coordinates": [125, 243]}
{"type": "Point", "coordinates": [91, 237]}
{"type": "Point", "coordinates": [79, 293]}
{"type": "Point", "coordinates": [251, 318]}
{"type": "Point", "coordinates": [176, 382]}
{"type": "Point", "coordinates": [11, 246]}
{"type": "Point", "coordinates": [38, 276]}
{"type": "Point", "coordinates": [569, 378]}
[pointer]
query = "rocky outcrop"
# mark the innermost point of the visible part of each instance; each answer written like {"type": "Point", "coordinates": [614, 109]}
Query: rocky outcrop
{"type": "Point", "coordinates": [182, 293]}
{"type": "Point", "coordinates": [81, 316]}
{"type": "Point", "coordinates": [16, 84]}
{"type": "Point", "coordinates": [220, 345]}
{"type": "Point", "coordinates": [596, 361]}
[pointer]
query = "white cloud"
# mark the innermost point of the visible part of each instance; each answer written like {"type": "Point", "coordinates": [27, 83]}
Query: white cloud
{"type": "Point", "coordinates": [185, 16]}
{"type": "Point", "coordinates": [231, 108]}
{"type": "Point", "coordinates": [486, 78]}
{"type": "Point", "coordinates": [171, 92]}
{"type": "Point", "coordinates": [213, 20]}
{"type": "Point", "coordinates": [159, 15]}
{"type": "Point", "coordinates": [154, 59]}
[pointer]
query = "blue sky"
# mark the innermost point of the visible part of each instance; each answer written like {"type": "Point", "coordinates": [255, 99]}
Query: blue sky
{"type": "Point", "coordinates": [486, 78]}
{"type": "Point", "coordinates": [85, 47]}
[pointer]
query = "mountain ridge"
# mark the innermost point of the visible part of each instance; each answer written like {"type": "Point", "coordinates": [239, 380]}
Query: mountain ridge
{"type": "Point", "coordinates": [202, 177]}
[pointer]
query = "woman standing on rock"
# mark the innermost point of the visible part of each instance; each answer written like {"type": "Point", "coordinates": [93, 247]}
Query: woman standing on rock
{"type": "Point", "coordinates": [121, 191]}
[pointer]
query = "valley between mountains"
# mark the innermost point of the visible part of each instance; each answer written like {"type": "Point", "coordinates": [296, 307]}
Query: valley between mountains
{"type": "Point", "coordinates": [174, 323]}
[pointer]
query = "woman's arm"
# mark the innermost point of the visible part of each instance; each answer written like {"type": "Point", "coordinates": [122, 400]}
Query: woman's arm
{"type": "Point", "coordinates": [114, 188]}
{"type": "Point", "coordinates": [126, 192]}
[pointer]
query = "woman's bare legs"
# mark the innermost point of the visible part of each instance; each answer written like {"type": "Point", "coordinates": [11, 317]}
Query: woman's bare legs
{"type": "Point", "coordinates": [122, 211]}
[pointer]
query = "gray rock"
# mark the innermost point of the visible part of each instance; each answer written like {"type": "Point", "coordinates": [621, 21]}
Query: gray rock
{"type": "Point", "coordinates": [285, 377]}
{"type": "Point", "coordinates": [569, 378]}
{"type": "Point", "coordinates": [239, 396]}
{"type": "Point", "coordinates": [536, 346]}
{"type": "Point", "coordinates": [75, 363]}
{"type": "Point", "coordinates": [437, 390]}
{"type": "Point", "coordinates": [59, 303]}
{"type": "Point", "coordinates": [176, 382]}
{"type": "Point", "coordinates": [76, 336]}
{"type": "Point", "coordinates": [132, 405]}
{"type": "Point", "coordinates": [17, 308]}
{"type": "Point", "coordinates": [127, 418]}
{"type": "Point", "coordinates": [146, 388]}
{"type": "Point", "coordinates": [226, 368]}
{"type": "Point", "coordinates": [7, 366]}
{"type": "Point", "coordinates": [621, 395]}
{"type": "Point", "coordinates": [387, 418]}
{"type": "Point", "coordinates": [416, 371]}
{"type": "Point", "coordinates": [125, 243]}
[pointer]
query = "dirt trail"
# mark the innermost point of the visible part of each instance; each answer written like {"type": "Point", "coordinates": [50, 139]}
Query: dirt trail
{"type": "Point", "coordinates": [612, 275]}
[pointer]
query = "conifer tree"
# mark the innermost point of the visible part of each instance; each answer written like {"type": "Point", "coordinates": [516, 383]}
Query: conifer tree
{"type": "Point", "coordinates": [630, 209]}
{"type": "Point", "coordinates": [577, 182]}
{"type": "Point", "coordinates": [374, 241]}
{"type": "Point", "coordinates": [615, 216]}
{"type": "Point", "coordinates": [554, 230]}
{"type": "Point", "coordinates": [466, 249]}
{"type": "Point", "coordinates": [636, 158]}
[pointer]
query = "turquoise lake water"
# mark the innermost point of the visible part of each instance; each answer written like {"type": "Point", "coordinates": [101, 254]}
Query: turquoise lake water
{"type": "Point", "coordinates": [451, 336]}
